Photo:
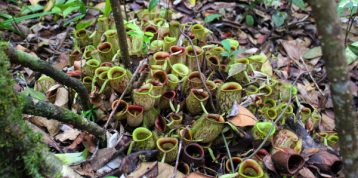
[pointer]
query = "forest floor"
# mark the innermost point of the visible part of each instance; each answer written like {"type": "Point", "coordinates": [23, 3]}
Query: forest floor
{"type": "Point", "coordinates": [273, 54]}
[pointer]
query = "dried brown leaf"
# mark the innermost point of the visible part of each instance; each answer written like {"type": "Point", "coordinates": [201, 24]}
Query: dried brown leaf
{"type": "Point", "coordinates": [243, 118]}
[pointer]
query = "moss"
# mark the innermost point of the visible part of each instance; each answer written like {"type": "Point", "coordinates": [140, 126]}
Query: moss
{"type": "Point", "coordinates": [21, 152]}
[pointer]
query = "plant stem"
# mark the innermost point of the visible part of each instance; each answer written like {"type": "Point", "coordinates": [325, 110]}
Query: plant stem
{"type": "Point", "coordinates": [228, 152]}
{"type": "Point", "coordinates": [329, 29]}
{"type": "Point", "coordinates": [122, 38]}
{"type": "Point", "coordinates": [36, 64]}
{"type": "Point", "coordinates": [349, 26]}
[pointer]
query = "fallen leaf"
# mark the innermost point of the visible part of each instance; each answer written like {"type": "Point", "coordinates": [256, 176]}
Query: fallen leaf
{"type": "Point", "coordinates": [198, 175]}
{"type": "Point", "coordinates": [294, 48]}
{"type": "Point", "coordinates": [70, 158]}
{"type": "Point", "coordinates": [243, 118]}
{"type": "Point", "coordinates": [61, 62]}
{"type": "Point", "coordinates": [307, 173]}
{"type": "Point", "coordinates": [61, 97]}
{"type": "Point", "coordinates": [313, 53]}
{"type": "Point", "coordinates": [52, 126]}
{"type": "Point", "coordinates": [70, 134]}
{"type": "Point", "coordinates": [164, 170]}
{"type": "Point", "coordinates": [102, 157]}
{"type": "Point", "coordinates": [267, 68]}
{"type": "Point", "coordinates": [327, 123]}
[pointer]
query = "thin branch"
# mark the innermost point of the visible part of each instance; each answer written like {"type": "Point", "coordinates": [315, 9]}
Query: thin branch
{"type": "Point", "coordinates": [198, 66]}
{"type": "Point", "coordinates": [177, 160]}
{"type": "Point", "coordinates": [122, 38]}
{"type": "Point", "coordinates": [124, 92]}
{"type": "Point", "coordinates": [273, 124]}
{"type": "Point", "coordinates": [36, 64]}
{"type": "Point", "coordinates": [48, 110]}
{"type": "Point", "coordinates": [309, 73]}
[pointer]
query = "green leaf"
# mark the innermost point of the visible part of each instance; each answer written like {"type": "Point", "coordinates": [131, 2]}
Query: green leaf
{"type": "Point", "coordinates": [86, 23]}
{"type": "Point", "coordinates": [350, 56]}
{"type": "Point", "coordinates": [7, 24]}
{"type": "Point", "coordinates": [225, 54]}
{"type": "Point", "coordinates": [35, 94]}
{"type": "Point", "coordinates": [232, 175]}
{"type": "Point", "coordinates": [212, 17]}
{"type": "Point", "coordinates": [152, 4]}
{"type": "Point", "coordinates": [70, 158]}
{"type": "Point", "coordinates": [279, 18]}
{"type": "Point", "coordinates": [236, 68]}
{"type": "Point", "coordinates": [249, 19]}
{"type": "Point", "coordinates": [107, 8]}
{"type": "Point", "coordinates": [31, 9]}
{"type": "Point", "coordinates": [6, 16]}
{"type": "Point", "coordinates": [75, 19]}
{"type": "Point", "coordinates": [354, 48]}
{"type": "Point", "coordinates": [299, 3]}
{"type": "Point", "coordinates": [226, 44]}
{"type": "Point", "coordinates": [236, 52]}
{"type": "Point", "coordinates": [313, 53]}
{"type": "Point", "coordinates": [56, 10]}
{"type": "Point", "coordinates": [69, 10]}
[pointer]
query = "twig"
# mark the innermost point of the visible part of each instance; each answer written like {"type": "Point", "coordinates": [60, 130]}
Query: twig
{"type": "Point", "coordinates": [48, 110]}
{"type": "Point", "coordinates": [228, 152]}
{"type": "Point", "coordinates": [177, 160]}
{"type": "Point", "coordinates": [309, 73]}
{"type": "Point", "coordinates": [36, 64]}
{"type": "Point", "coordinates": [141, 63]}
{"type": "Point", "coordinates": [198, 66]}
{"type": "Point", "coordinates": [273, 124]}
{"type": "Point", "coordinates": [125, 9]}
{"type": "Point", "coordinates": [349, 27]}
{"type": "Point", "coordinates": [122, 39]}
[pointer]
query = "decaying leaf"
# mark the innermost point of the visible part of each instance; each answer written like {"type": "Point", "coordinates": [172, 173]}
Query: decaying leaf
{"type": "Point", "coordinates": [164, 170]}
{"type": "Point", "coordinates": [52, 126]}
{"type": "Point", "coordinates": [243, 118]}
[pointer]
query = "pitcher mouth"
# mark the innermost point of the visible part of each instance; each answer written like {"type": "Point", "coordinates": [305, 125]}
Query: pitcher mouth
{"type": "Point", "coordinates": [141, 134]}
{"type": "Point", "coordinates": [215, 117]}
{"type": "Point", "coordinates": [87, 79]}
{"type": "Point", "coordinates": [161, 76]}
{"type": "Point", "coordinates": [81, 33]}
{"type": "Point", "coordinates": [104, 47]}
{"type": "Point", "coordinates": [251, 168]}
{"type": "Point", "coordinates": [151, 29]}
{"type": "Point", "coordinates": [167, 144]}
{"type": "Point", "coordinates": [294, 163]}
{"type": "Point", "coordinates": [135, 109]}
{"type": "Point", "coordinates": [160, 124]}
{"type": "Point", "coordinates": [122, 106]}
{"type": "Point", "coordinates": [200, 94]}
{"type": "Point", "coordinates": [161, 56]}
{"type": "Point", "coordinates": [194, 151]}
{"type": "Point", "coordinates": [115, 73]}
{"type": "Point", "coordinates": [235, 160]}
{"type": "Point", "coordinates": [231, 86]}
{"type": "Point", "coordinates": [214, 60]}
{"type": "Point", "coordinates": [169, 94]}
{"type": "Point", "coordinates": [93, 63]}
{"type": "Point", "coordinates": [176, 50]}
{"type": "Point", "coordinates": [186, 134]}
